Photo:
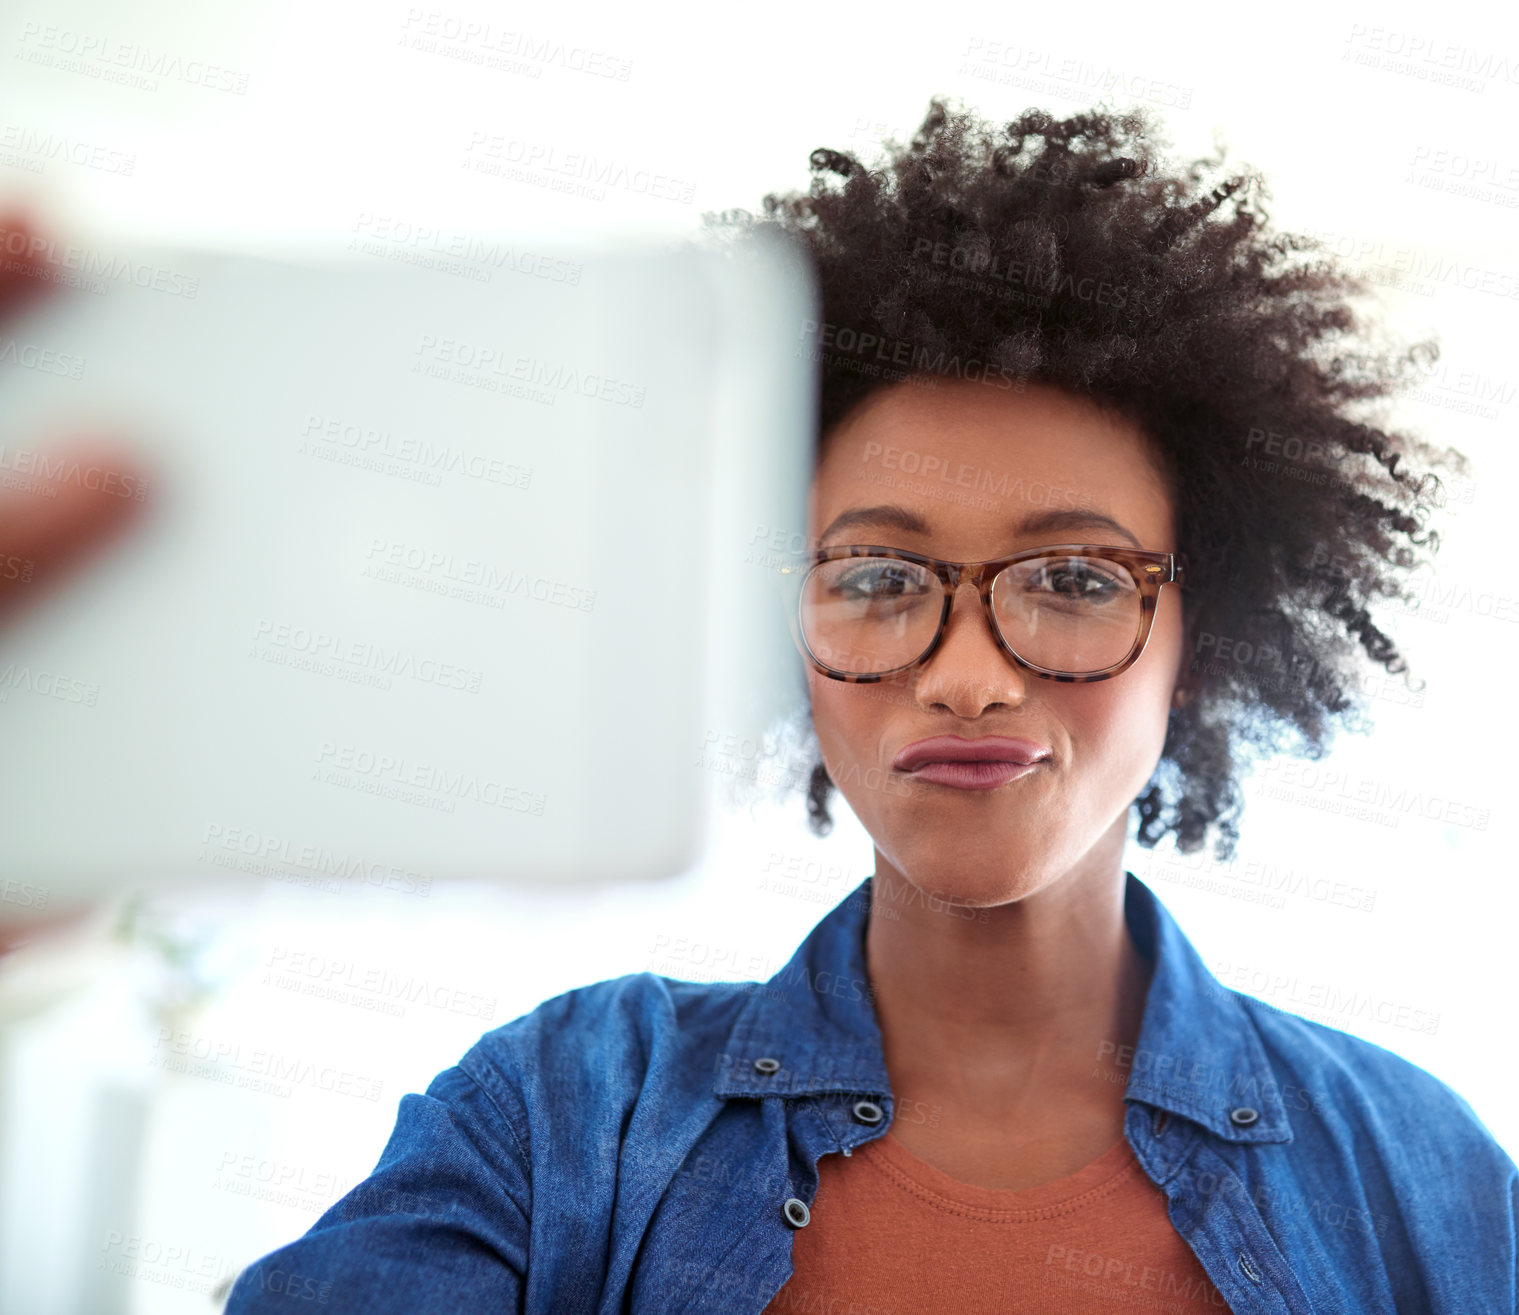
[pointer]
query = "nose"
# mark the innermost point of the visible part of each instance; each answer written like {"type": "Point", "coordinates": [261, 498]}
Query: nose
{"type": "Point", "coordinates": [970, 671]}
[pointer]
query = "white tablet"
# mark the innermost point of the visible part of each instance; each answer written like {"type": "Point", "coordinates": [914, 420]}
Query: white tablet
{"type": "Point", "coordinates": [448, 573]}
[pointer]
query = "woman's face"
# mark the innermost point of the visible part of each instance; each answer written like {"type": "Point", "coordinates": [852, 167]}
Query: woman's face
{"type": "Point", "coordinates": [1005, 471]}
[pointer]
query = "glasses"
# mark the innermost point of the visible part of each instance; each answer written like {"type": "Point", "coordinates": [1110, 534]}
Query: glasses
{"type": "Point", "coordinates": [1072, 612]}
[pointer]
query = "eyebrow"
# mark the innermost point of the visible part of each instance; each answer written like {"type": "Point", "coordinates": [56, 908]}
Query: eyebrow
{"type": "Point", "coordinates": [900, 518]}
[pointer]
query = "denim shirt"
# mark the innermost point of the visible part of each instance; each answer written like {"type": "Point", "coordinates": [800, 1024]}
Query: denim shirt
{"type": "Point", "coordinates": [651, 1145]}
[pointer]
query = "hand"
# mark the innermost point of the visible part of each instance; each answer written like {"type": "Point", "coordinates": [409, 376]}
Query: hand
{"type": "Point", "coordinates": [50, 522]}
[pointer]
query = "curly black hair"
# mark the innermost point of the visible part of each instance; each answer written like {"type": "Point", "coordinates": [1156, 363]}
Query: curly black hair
{"type": "Point", "coordinates": [1067, 252]}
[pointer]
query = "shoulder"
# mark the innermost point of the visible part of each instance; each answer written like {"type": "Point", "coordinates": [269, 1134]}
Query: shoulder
{"type": "Point", "coordinates": [621, 1015]}
{"type": "Point", "coordinates": [1366, 1092]}
{"type": "Point", "coordinates": [603, 1043]}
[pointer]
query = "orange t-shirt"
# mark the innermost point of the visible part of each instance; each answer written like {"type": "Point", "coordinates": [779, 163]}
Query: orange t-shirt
{"type": "Point", "coordinates": [890, 1234]}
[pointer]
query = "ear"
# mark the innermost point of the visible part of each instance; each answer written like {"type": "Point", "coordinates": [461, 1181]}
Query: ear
{"type": "Point", "coordinates": [1188, 683]}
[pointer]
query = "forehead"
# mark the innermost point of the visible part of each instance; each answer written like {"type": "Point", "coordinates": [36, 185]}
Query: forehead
{"type": "Point", "coordinates": [972, 459]}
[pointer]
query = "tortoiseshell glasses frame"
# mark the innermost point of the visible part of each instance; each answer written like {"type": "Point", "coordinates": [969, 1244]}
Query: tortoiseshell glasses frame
{"type": "Point", "coordinates": [1149, 571]}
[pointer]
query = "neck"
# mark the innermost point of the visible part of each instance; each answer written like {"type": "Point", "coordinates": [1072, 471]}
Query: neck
{"type": "Point", "coordinates": [1011, 1009]}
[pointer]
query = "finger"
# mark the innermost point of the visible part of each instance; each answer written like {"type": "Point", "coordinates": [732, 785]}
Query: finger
{"type": "Point", "coordinates": [13, 935]}
{"type": "Point", "coordinates": [24, 267]}
{"type": "Point", "coordinates": [51, 521]}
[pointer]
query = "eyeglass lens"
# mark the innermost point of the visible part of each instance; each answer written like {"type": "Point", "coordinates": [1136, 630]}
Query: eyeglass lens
{"type": "Point", "coordinates": [1074, 614]}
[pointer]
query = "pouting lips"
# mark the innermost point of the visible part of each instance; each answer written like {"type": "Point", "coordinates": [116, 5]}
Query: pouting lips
{"type": "Point", "coordinates": [954, 749]}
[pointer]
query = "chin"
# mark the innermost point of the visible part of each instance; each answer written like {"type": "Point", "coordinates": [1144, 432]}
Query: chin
{"type": "Point", "coordinates": [982, 876]}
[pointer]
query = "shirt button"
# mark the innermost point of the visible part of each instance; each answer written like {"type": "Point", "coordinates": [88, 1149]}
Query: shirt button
{"type": "Point", "coordinates": [766, 1066]}
{"type": "Point", "coordinates": [796, 1212]}
{"type": "Point", "coordinates": [867, 1111]}
{"type": "Point", "coordinates": [1244, 1116]}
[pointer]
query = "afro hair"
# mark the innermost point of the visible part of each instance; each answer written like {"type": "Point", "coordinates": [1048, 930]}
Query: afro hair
{"type": "Point", "coordinates": [1068, 252]}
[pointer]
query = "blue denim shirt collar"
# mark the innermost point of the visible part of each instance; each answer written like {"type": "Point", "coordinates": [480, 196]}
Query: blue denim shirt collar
{"type": "Point", "coordinates": [1198, 1047]}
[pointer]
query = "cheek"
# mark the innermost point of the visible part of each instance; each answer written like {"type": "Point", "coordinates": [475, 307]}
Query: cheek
{"type": "Point", "coordinates": [830, 712]}
{"type": "Point", "coordinates": [1102, 718]}
{"type": "Point", "coordinates": [1119, 726]}
{"type": "Point", "coordinates": [849, 719]}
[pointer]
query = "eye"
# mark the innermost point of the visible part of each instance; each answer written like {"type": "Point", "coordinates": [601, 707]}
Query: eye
{"type": "Point", "coordinates": [1074, 578]}
{"type": "Point", "coordinates": [881, 579]}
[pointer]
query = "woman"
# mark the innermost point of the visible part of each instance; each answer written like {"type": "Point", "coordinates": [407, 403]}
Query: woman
{"type": "Point", "coordinates": [997, 1076]}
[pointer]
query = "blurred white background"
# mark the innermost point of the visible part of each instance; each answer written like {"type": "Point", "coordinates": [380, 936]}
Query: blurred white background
{"type": "Point", "coordinates": [1386, 128]}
